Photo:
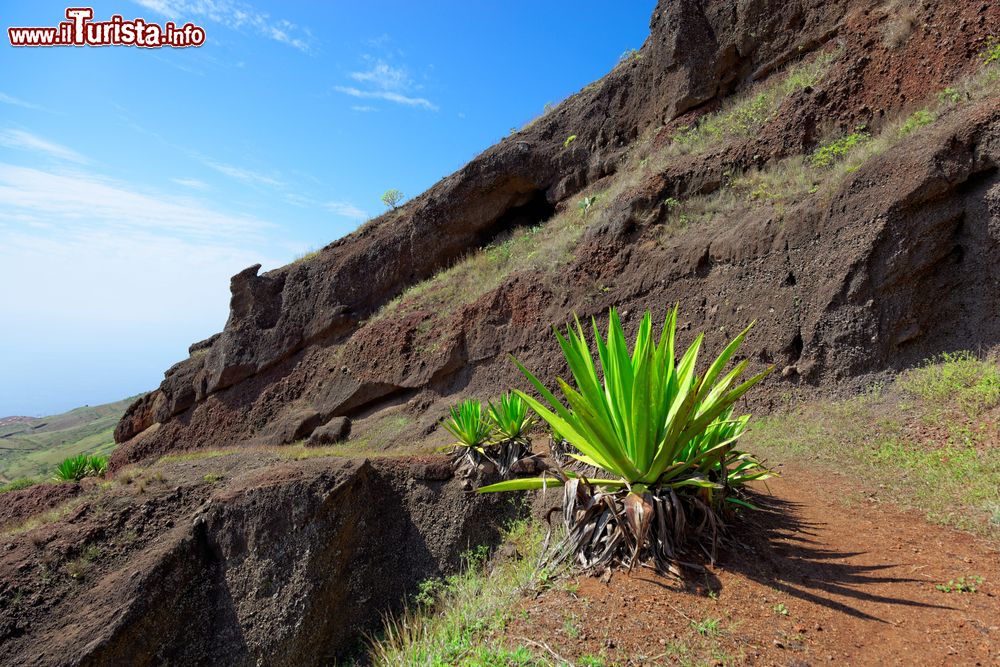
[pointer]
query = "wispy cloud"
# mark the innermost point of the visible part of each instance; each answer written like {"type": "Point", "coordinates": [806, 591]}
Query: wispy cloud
{"type": "Point", "coordinates": [281, 34]}
{"type": "Point", "coordinates": [384, 76]}
{"type": "Point", "coordinates": [383, 81]}
{"type": "Point", "coordinates": [235, 15]}
{"type": "Point", "coordinates": [16, 102]}
{"type": "Point", "coordinates": [73, 198]}
{"type": "Point", "coordinates": [388, 96]}
{"type": "Point", "coordinates": [27, 141]}
{"type": "Point", "coordinates": [346, 210]}
{"type": "Point", "coordinates": [192, 183]}
{"type": "Point", "coordinates": [246, 175]}
{"type": "Point", "coordinates": [363, 108]}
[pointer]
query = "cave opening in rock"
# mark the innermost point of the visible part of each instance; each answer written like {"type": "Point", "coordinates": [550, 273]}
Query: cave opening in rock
{"type": "Point", "coordinates": [535, 210]}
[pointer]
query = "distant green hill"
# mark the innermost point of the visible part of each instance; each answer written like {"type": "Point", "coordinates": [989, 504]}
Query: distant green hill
{"type": "Point", "coordinates": [33, 447]}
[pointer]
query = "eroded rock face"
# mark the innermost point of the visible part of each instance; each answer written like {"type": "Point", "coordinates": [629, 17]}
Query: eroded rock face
{"type": "Point", "coordinates": [839, 287]}
{"type": "Point", "coordinates": [285, 566]}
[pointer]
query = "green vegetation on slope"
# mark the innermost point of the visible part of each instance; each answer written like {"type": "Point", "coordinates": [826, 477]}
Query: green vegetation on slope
{"type": "Point", "coordinates": [928, 441]}
{"type": "Point", "coordinates": [35, 447]}
{"type": "Point", "coordinates": [473, 618]}
{"type": "Point", "coordinates": [460, 620]}
{"type": "Point", "coordinates": [748, 113]}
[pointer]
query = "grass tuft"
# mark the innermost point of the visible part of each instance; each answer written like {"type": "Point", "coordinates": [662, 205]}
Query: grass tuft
{"type": "Point", "coordinates": [834, 151]}
{"type": "Point", "coordinates": [460, 620]}
{"type": "Point", "coordinates": [18, 484]}
{"type": "Point", "coordinates": [749, 112]}
{"type": "Point", "coordinates": [44, 518]}
{"type": "Point", "coordinates": [959, 378]}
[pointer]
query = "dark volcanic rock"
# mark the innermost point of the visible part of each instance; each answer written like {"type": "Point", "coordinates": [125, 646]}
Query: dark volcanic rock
{"type": "Point", "coordinates": [335, 430]}
{"type": "Point", "coordinates": [284, 567]}
{"type": "Point", "coordinates": [295, 426]}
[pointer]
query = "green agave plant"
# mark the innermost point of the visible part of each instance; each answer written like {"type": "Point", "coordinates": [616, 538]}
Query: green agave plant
{"type": "Point", "coordinates": [469, 424]}
{"type": "Point", "coordinates": [72, 469]}
{"type": "Point", "coordinates": [97, 465]}
{"type": "Point", "coordinates": [77, 467]}
{"type": "Point", "coordinates": [511, 424]}
{"type": "Point", "coordinates": [662, 434]}
{"type": "Point", "coordinates": [510, 417]}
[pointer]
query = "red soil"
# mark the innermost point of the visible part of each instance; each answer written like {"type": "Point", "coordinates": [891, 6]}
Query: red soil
{"type": "Point", "coordinates": [857, 579]}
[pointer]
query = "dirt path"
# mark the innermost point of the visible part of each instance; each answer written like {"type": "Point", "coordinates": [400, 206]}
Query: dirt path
{"type": "Point", "coordinates": [826, 577]}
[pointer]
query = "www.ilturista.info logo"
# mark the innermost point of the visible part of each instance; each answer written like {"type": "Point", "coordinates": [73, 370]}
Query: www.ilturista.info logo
{"type": "Point", "coordinates": [80, 30]}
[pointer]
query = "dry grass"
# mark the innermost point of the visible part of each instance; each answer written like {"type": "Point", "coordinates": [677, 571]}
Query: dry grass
{"type": "Point", "coordinates": [748, 113]}
{"type": "Point", "coordinates": [307, 255]}
{"type": "Point", "coordinates": [927, 441]}
{"type": "Point", "coordinates": [546, 247]}
{"type": "Point", "coordinates": [198, 455]}
{"type": "Point", "coordinates": [45, 518]}
{"type": "Point", "coordinates": [900, 21]}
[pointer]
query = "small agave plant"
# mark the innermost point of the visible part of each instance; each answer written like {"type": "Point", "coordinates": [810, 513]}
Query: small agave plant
{"type": "Point", "coordinates": [77, 467]}
{"type": "Point", "coordinates": [511, 424]}
{"type": "Point", "coordinates": [469, 424]}
{"type": "Point", "coordinates": [662, 435]}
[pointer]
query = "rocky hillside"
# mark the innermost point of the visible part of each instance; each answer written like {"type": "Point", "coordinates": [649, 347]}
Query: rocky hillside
{"type": "Point", "coordinates": [828, 169]}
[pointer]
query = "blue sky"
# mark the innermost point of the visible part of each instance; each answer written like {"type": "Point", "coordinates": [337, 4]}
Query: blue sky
{"type": "Point", "coordinates": [135, 182]}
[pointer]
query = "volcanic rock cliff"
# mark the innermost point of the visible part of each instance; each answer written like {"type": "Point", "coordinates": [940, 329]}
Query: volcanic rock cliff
{"type": "Point", "coordinates": [889, 265]}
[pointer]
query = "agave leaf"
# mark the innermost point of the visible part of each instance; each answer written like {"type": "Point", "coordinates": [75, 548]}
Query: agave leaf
{"type": "Point", "coordinates": [742, 503]}
{"type": "Point", "coordinates": [522, 484]}
{"type": "Point", "coordinates": [566, 428]}
{"type": "Point", "coordinates": [677, 470]}
{"type": "Point", "coordinates": [639, 510]}
{"type": "Point", "coordinates": [531, 483]}
{"type": "Point", "coordinates": [583, 458]}
{"type": "Point", "coordinates": [700, 482]}
{"type": "Point", "coordinates": [720, 362]}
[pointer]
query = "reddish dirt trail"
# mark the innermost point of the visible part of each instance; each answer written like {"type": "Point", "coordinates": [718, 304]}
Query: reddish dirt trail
{"type": "Point", "coordinates": [857, 580]}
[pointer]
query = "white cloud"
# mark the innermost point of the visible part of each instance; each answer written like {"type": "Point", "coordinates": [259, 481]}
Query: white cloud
{"type": "Point", "coordinates": [232, 14]}
{"type": "Point", "coordinates": [387, 96]}
{"type": "Point", "coordinates": [246, 175]}
{"type": "Point", "coordinates": [192, 183]}
{"type": "Point", "coordinates": [14, 101]}
{"type": "Point", "coordinates": [72, 199]}
{"type": "Point", "coordinates": [279, 35]}
{"type": "Point", "coordinates": [345, 210]}
{"type": "Point", "coordinates": [384, 76]}
{"type": "Point", "coordinates": [363, 108]}
{"type": "Point", "coordinates": [30, 142]}
{"type": "Point", "coordinates": [382, 81]}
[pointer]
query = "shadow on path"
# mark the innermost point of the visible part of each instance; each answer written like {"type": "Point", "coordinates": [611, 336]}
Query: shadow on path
{"type": "Point", "coordinates": [779, 548]}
